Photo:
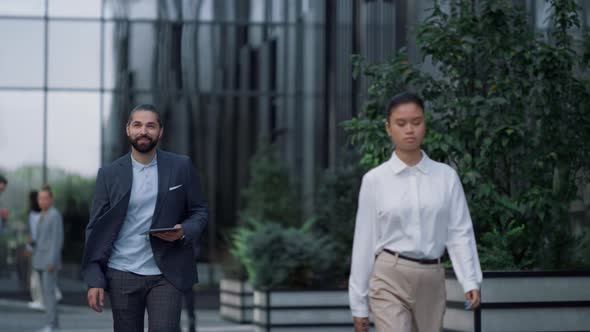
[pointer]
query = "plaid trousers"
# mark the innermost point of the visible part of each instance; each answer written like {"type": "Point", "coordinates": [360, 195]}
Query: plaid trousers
{"type": "Point", "coordinates": [131, 294]}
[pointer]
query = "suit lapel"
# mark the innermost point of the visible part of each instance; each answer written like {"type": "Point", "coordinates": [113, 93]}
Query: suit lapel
{"type": "Point", "coordinates": [163, 183]}
{"type": "Point", "coordinates": [125, 176]}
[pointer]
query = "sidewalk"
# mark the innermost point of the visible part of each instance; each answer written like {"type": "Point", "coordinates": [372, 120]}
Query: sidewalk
{"type": "Point", "coordinates": [16, 316]}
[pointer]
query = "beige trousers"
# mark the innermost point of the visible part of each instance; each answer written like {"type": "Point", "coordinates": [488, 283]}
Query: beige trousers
{"type": "Point", "coordinates": [406, 296]}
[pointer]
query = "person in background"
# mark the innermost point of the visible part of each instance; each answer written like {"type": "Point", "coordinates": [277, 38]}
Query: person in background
{"type": "Point", "coordinates": [47, 254]}
{"type": "Point", "coordinates": [35, 279]}
{"type": "Point", "coordinates": [3, 211]}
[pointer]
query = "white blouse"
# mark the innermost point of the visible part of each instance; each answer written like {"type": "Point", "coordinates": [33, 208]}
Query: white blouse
{"type": "Point", "coordinates": [417, 212]}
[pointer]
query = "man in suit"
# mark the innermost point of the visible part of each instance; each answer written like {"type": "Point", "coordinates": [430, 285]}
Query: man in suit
{"type": "Point", "coordinates": [47, 254]}
{"type": "Point", "coordinates": [147, 188]}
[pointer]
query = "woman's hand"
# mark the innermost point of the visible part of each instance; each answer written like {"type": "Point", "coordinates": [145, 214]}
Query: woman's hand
{"type": "Point", "coordinates": [475, 297]}
{"type": "Point", "coordinates": [361, 324]}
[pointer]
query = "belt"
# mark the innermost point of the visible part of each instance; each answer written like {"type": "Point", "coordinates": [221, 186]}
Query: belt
{"type": "Point", "coordinates": [417, 260]}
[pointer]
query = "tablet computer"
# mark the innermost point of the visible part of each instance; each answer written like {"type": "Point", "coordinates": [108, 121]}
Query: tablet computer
{"type": "Point", "coordinates": [160, 230]}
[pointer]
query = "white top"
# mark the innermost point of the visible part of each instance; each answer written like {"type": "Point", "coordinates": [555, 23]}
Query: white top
{"type": "Point", "coordinates": [417, 212]}
{"type": "Point", "coordinates": [132, 251]}
{"type": "Point", "coordinates": [34, 218]}
{"type": "Point", "coordinates": [33, 222]}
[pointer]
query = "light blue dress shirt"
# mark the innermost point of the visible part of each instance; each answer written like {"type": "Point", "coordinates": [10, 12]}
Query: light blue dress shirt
{"type": "Point", "coordinates": [132, 252]}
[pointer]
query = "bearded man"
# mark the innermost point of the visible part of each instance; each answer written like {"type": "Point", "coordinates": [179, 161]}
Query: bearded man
{"type": "Point", "coordinates": [140, 268]}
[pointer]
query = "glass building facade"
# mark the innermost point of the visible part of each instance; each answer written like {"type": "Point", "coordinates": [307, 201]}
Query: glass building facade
{"type": "Point", "coordinates": [227, 75]}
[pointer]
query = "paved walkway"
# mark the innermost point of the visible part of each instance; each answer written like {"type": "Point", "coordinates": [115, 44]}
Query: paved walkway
{"type": "Point", "coordinates": [16, 316]}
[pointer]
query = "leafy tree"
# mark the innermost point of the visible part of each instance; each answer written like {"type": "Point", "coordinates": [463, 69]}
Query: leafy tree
{"type": "Point", "coordinates": [508, 108]}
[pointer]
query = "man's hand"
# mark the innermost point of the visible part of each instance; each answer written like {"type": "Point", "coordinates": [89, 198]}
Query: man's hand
{"type": "Point", "coordinates": [50, 268]}
{"type": "Point", "coordinates": [172, 235]}
{"type": "Point", "coordinates": [95, 298]}
{"type": "Point", "coordinates": [361, 324]}
{"type": "Point", "coordinates": [475, 298]}
{"type": "Point", "coordinates": [27, 253]}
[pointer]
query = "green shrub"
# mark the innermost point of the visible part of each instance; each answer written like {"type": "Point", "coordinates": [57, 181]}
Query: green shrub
{"type": "Point", "coordinates": [276, 256]}
{"type": "Point", "coordinates": [336, 210]}
{"type": "Point", "coordinates": [270, 195]}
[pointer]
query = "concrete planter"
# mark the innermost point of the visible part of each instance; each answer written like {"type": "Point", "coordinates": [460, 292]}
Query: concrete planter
{"type": "Point", "coordinates": [235, 300]}
{"type": "Point", "coordinates": [302, 310]}
{"type": "Point", "coordinates": [512, 301]}
{"type": "Point", "coordinates": [523, 301]}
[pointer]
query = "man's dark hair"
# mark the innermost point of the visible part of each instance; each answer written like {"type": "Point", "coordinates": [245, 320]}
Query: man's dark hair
{"type": "Point", "coordinates": [3, 179]}
{"type": "Point", "coordinates": [145, 107]}
{"type": "Point", "coordinates": [46, 188]}
{"type": "Point", "coordinates": [403, 98]}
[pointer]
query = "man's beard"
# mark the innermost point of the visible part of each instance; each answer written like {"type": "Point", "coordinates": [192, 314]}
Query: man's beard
{"type": "Point", "coordinates": [146, 147]}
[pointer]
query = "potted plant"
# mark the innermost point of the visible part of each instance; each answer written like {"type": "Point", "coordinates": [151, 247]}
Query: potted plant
{"type": "Point", "coordinates": [268, 196]}
{"type": "Point", "coordinates": [285, 266]}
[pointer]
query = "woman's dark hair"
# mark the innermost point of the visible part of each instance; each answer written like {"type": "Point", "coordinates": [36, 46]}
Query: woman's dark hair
{"type": "Point", "coordinates": [33, 204]}
{"type": "Point", "coordinates": [403, 98]}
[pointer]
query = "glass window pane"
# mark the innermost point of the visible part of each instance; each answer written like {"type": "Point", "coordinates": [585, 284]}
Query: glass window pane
{"type": "Point", "coordinates": [190, 9]}
{"type": "Point", "coordinates": [107, 106]}
{"type": "Point", "coordinates": [21, 145]}
{"type": "Point", "coordinates": [74, 54]}
{"type": "Point", "coordinates": [21, 129]}
{"type": "Point", "coordinates": [206, 11]}
{"type": "Point", "coordinates": [143, 98]}
{"type": "Point", "coordinates": [168, 10]}
{"type": "Point", "coordinates": [257, 11]}
{"type": "Point", "coordinates": [207, 56]}
{"type": "Point", "coordinates": [21, 58]}
{"type": "Point", "coordinates": [22, 7]}
{"type": "Point", "coordinates": [73, 132]}
{"type": "Point", "coordinates": [73, 8]}
{"type": "Point", "coordinates": [143, 44]}
{"type": "Point", "coordinates": [114, 118]}
{"type": "Point", "coordinates": [278, 10]}
{"type": "Point", "coordinates": [109, 134]}
{"type": "Point", "coordinates": [543, 15]}
{"type": "Point", "coordinates": [109, 55]}
{"type": "Point", "coordinates": [137, 9]}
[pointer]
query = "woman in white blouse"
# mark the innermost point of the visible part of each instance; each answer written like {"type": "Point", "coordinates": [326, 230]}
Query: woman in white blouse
{"type": "Point", "coordinates": [410, 209]}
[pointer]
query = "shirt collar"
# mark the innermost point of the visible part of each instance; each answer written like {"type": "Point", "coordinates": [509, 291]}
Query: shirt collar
{"type": "Point", "coordinates": [137, 164]}
{"type": "Point", "coordinates": [398, 165]}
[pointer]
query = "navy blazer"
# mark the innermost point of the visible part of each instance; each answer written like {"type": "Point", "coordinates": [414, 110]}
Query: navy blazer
{"type": "Point", "coordinates": [184, 205]}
